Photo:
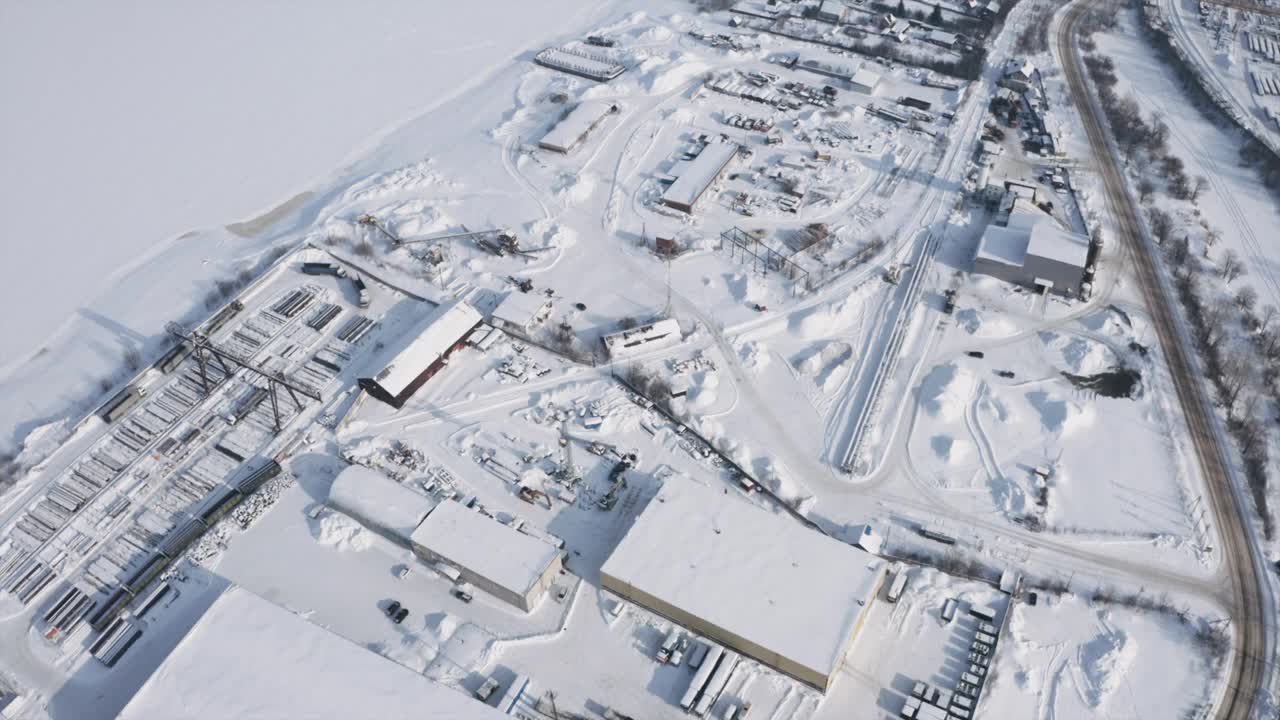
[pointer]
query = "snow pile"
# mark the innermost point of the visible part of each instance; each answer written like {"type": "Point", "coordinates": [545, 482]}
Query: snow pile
{"type": "Point", "coordinates": [410, 177]}
{"type": "Point", "coordinates": [1104, 662]}
{"type": "Point", "coordinates": [342, 533]}
{"type": "Point", "coordinates": [824, 320]}
{"type": "Point", "coordinates": [574, 189]}
{"type": "Point", "coordinates": [946, 390]}
{"type": "Point", "coordinates": [1060, 415]}
{"type": "Point", "coordinates": [978, 325]}
{"type": "Point", "coordinates": [704, 390]}
{"type": "Point", "coordinates": [1078, 355]}
{"type": "Point", "coordinates": [42, 441]}
{"type": "Point", "coordinates": [660, 75]}
{"type": "Point", "coordinates": [545, 233]}
{"type": "Point", "coordinates": [754, 356]}
{"type": "Point", "coordinates": [749, 289]}
{"type": "Point", "coordinates": [949, 449]}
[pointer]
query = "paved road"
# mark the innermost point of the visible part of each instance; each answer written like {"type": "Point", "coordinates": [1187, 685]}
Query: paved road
{"type": "Point", "coordinates": [1246, 589]}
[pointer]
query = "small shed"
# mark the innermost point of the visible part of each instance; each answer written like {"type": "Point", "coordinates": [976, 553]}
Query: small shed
{"type": "Point", "coordinates": [521, 311]}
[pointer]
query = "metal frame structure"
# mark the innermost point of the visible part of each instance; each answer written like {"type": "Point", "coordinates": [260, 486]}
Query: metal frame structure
{"type": "Point", "coordinates": [203, 349]}
{"type": "Point", "coordinates": [763, 257]}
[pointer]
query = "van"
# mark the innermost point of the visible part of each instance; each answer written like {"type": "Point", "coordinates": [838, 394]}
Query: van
{"type": "Point", "coordinates": [985, 639]}
{"type": "Point", "coordinates": [485, 691]}
{"type": "Point", "coordinates": [971, 679]}
{"type": "Point", "coordinates": [982, 612]}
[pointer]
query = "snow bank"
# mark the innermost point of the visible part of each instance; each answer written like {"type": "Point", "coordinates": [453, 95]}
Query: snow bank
{"type": "Point", "coordinates": [1104, 662]}
{"type": "Point", "coordinates": [949, 449]}
{"type": "Point", "coordinates": [1060, 415]}
{"type": "Point", "coordinates": [1078, 355]}
{"type": "Point", "coordinates": [342, 533]}
{"type": "Point", "coordinates": [979, 325]}
{"type": "Point", "coordinates": [574, 189]}
{"type": "Point", "coordinates": [945, 392]}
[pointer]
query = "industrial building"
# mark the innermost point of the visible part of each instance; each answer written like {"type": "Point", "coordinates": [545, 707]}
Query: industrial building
{"type": "Point", "coordinates": [379, 503]}
{"type": "Point", "coordinates": [865, 81]}
{"type": "Point", "coordinates": [504, 562]}
{"type": "Point", "coordinates": [521, 311]}
{"type": "Point", "coordinates": [442, 332]}
{"type": "Point", "coordinates": [754, 581]}
{"type": "Point", "coordinates": [1028, 247]}
{"type": "Point", "coordinates": [699, 175]}
{"type": "Point", "coordinates": [575, 126]}
{"type": "Point", "coordinates": [249, 658]}
{"type": "Point", "coordinates": [655, 335]}
{"type": "Point", "coordinates": [582, 64]}
{"type": "Point", "coordinates": [832, 11]}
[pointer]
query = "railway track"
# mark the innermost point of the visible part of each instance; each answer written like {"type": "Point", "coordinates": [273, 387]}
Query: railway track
{"type": "Point", "coordinates": [1245, 583]}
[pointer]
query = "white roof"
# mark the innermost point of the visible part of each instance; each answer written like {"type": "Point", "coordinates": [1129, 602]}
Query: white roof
{"type": "Point", "coordinates": [484, 546]}
{"type": "Point", "coordinates": [379, 502]}
{"type": "Point", "coordinates": [866, 78]}
{"type": "Point", "coordinates": [654, 335]}
{"type": "Point", "coordinates": [250, 659]}
{"type": "Point", "coordinates": [758, 575]}
{"type": "Point", "coordinates": [1053, 243]}
{"type": "Point", "coordinates": [440, 329]}
{"type": "Point", "coordinates": [520, 308]}
{"type": "Point", "coordinates": [1007, 246]}
{"type": "Point", "coordinates": [569, 131]}
{"type": "Point", "coordinates": [943, 36]}
{"type": "Point", "coordinates": [700, 173]}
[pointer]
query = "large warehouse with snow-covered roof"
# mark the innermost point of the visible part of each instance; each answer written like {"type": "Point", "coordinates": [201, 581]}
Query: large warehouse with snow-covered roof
{"type": "Point", "coordinates": [251, 659]}
{"type": "Point", "coordinates": [749, 579]}
{"type": "Point", "coordinates": [442, 332]}
{"type": "Point", "coordinates": [379, 503]}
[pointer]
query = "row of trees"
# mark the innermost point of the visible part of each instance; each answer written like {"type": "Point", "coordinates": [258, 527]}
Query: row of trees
{"type": "Point", "coordinates": [1231, 368]}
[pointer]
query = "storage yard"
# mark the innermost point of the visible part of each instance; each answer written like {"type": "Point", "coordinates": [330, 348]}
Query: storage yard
{"type": "Point", "coordinates": [697, 363]}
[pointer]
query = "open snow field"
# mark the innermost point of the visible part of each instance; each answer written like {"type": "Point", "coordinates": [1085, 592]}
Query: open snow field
{"type": "Point", "coordinates": [147, 130]}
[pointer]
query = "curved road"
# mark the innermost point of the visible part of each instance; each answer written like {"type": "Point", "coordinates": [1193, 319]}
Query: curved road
{"type": "Point", "coordinates": [1247, 589]}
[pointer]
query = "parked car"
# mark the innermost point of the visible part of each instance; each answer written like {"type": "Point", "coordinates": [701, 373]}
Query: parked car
{"type": "Point", "coordinates": [462, 594]}
{"type": "Point", "coordinates": [401, 615]}
{"type": "Point", "coordinates": [393, 608]}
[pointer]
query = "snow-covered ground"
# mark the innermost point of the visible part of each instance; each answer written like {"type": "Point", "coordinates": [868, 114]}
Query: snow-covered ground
{"type": "Point", "coordinates": [776, 370]}
{"type": "Point", "coordinates": [153, 148]}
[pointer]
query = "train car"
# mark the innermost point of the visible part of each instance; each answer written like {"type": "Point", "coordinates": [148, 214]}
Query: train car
{"type": "Point", "coordinates": [254, 480]}
{"type": "Point", "coordinates": [172, 358]}
{"type": "Point", "coordinates": [120, 404]}
{"type": "Point", "coordinates": [222, 317]}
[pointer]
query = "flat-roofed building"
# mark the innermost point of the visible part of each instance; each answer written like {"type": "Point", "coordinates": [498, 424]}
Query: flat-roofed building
{"type": "Point", "coordinates": [522, 311]}
{"type": "Point", "coordinates": [574, 127]}
{"type": "Point", "coordinates": [442, 332]}
{"type": "Point", "coordinates": [698, 175]}
{"type": "Point", "coordinates": [379, 503]}
{"type": "Point", "coordinates": [754, 581]}
{"type": "Point", "coordinates": [655, 335]}
{"type": "Point", "coordinates": [250, 659]}
{"type": "Point", "coordinates": [1031, 249]}
{"type": "Point", "coordinates": [504, 562]}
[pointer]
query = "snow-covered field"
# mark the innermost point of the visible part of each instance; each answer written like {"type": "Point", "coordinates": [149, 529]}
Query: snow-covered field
{"type": "Point", "coordinates": [999, 444]}
{"type": "Point", "coordinates": [156, 146]}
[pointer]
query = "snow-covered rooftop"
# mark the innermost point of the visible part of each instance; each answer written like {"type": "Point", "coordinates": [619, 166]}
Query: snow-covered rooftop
{"type": "Point", "coordinates": [570, 131]}
{"type": "Point", "coordinates": [1007, 246]}
{"type": "Point", "coordinates": [248, 658]}
{"type": "Point", "coordinates": [865, 77]}
{"type": "Point", "coordinates": [1048, 240]}
{"type": "Point", "coordinates": [662, 333]}
{"type": "Point", "coordinates": [439, 330]}
{"type": "Point", "coordinates": [521, 309]}
{"type": "Point", "coordinates": [699, 175]}
{"type": "Point", "coordinates": [794, 594]}
{"type": "Point", "coordinates": [378, 502]}
{"type": "Point", "coordinates": [484, 546]}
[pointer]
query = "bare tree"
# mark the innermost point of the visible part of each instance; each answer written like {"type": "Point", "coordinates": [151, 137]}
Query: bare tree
{"type": "Point", "coordinates": [1211, 238]}
{"type": "Point", "coordinates": [1161, 224]}
{"type": "Point", "coordinates": [1268, 318]}
{"type": "Point", "coordinates": [1232, 267]}
{"type": "Point", "coordinates": [1200, 185]}
{"type": "Point", "coordinates": [1246, 299]}
{"type": "Point", "coordinates": [1237, 373]}
{"type": "Point", "coordinates": [1145, 189]}
{"type": "Point", "coordinates": [1216, 318]}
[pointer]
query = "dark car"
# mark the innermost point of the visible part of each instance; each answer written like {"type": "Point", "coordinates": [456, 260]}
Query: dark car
{"type": "Point", "coordinates": [393, 608]}
{"type": "Point", "coordinates": [401, 615]}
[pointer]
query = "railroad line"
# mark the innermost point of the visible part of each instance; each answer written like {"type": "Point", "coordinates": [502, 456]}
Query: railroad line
{"type": "Point", "coordinates": [1247, 661]}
